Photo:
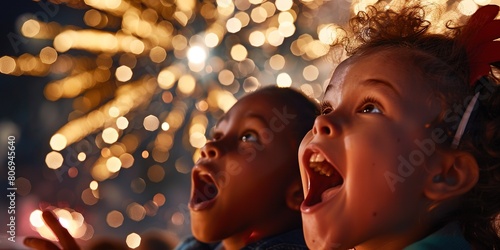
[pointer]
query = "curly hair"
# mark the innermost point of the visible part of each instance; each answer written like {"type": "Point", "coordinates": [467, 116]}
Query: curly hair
{"type": "Point", "coordinates": [443, 61]}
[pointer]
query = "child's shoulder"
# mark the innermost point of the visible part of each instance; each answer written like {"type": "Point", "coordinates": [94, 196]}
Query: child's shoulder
{"type": "Point", "coordinates": [192, 243]}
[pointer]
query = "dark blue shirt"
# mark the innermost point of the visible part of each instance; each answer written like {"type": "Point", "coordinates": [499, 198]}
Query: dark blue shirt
{"type": "Point", "coordinates": [292, 240]}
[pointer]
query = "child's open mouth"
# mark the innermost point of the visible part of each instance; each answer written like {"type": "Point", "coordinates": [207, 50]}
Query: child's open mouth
{"type": "Point", "coordinates": [204, 191]}
{"type": "Point", "coordinates": [323, 177]}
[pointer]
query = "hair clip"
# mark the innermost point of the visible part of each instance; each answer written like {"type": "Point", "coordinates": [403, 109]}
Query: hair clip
{"type": "Point", "coordinates": [463, 122]}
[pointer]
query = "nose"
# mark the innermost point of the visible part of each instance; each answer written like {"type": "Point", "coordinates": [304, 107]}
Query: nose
{"type": "Point", "coordinates": [210, 151]}
{"type": "Point", "coordinates": [323, 126]}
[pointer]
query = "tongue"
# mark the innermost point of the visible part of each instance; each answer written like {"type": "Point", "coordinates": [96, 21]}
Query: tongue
{"type": "Point", "coordinates": [319, 184]}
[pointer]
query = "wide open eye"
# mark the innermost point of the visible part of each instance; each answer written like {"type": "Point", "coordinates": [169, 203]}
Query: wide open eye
{"type": "Point", "coordinates": [370, 106]}
{"type": "Point", "coordinates": [250, 136]}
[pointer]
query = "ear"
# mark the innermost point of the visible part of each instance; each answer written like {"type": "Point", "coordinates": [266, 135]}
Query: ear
{"type": "Point", "coordinates": [453, 175]}
{"type": "Point", "coordinates": [294, 195]}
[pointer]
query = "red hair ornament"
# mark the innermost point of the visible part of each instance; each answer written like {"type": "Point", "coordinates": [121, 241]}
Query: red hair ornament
{"type": "Point", "coordinates": [478, 37]}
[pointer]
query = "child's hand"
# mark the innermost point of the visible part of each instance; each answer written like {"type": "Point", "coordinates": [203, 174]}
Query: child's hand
{"type": "Point", "coordinates": [65, 239]}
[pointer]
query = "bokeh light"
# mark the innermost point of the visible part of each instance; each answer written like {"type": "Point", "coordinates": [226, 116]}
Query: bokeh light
{"type": "Point", "coordinates": [132, 89]}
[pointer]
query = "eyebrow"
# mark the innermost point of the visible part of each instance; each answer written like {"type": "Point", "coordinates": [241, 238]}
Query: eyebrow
{"type": "Point", "coordinates": [372, 83]}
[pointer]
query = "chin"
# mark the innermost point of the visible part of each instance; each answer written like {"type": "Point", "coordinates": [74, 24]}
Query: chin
{"type": "Point", "coordinates": [323, 239]}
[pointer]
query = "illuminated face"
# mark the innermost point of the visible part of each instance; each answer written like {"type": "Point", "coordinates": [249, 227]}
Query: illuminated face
{"type": "Point", "coordinates": [363, 163]}
{"type": "Point", "coordinates": [240, 181]}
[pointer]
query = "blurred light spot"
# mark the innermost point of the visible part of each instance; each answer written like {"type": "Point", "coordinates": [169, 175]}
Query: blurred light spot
{"type": "Point", "coordinates": [72, 172]}
{"type": "Point", "coordinates": [482, 2]}
{"type": "Point", "coordinates": [36, 218]}
{"type": "Point", "coordinates": [110, 135]}
{"type": "Point", "coordinates": [94, 185]}
{"type": "Point", "coordinates": [270, 8]}
{"type": "Point", "coordinates": [105, 152]}
{"type": "Point", "coordinates": [167, 97]}
{"type": "Point", "coordinates": [166, 79]}
{"type": "Point", "coordinates": [136, 212]}
{"type": "Point", "coordinates": [196, 54]}
{"type": "Point", "coordinates": [54, 160]}
{"type": "Point", "coordinates": [30, 28]}
{"type": "Point", "coordinates": [233, 25]}
{"type": "Point", "coordinates": [114, 219]}
{"type": "Point", "coordinates": [82, 156]}
{"type": "Point", "coordinates": [310, 73]}
{"type": "Point", "coordinates": [274, 37]}
{"type": "Point", "coordinates": [256, 2]}
{"type": "Point", "coordinates": [48, 55]}
{"type": "Point", "coordinates": [138, 185]}
{"type": "Point", "coordinates": [177, 218]}
{"type": "Point", "coordinates": [286, 29]}
{"type": "Point", "coordinates": [58, 142]}
{"type": "Point", "coordinates": [284, 5]}
{"type": "Point", "coordinates": [284, 80]}
{"type": "Point", "coordinates": [258, 14]}
{"type": "Point", "coordinates": [23, 186]}
{"type": "Point", "coordinates": [157, 54]}
{"type": "Point", "coordinates": [7, 64]}
{"type": "Point", "coordinates": [202, 106]}
{"type": "Point", "coordinates": [165, 126]}
{"type": "Point", "coordinates": [211, 40]}
{"type": "Point", "coordinates": [113, 164]}
{"type": "Point", "coordinates": [159, 199]}
{"type": "Point", "coordinates": [251, 84]}
{"type": "Point", "coordinates": [197, 140]}
{"type": "Point", "coordinates": [226, 77]}
{"type": "Point", "coordinates": [151, 123]}
{"type": "Point", "coordinates": [257, 38]}
{"type": "Point", "coordinates": [156, 173]}
{"type": "Point", "coordinates": [88, 198]}
{"type": "Point", "coordinates": [239, 52]}
{"type": "Point", "coordinates": [122, 123]}
{"type": "Point", "coordinates": [114, 112]}
{"type": "Point", "coordinates": [277, 62]}
{"type": "Point", "coordinates": [137, 47]}
{"type": "Point", "coordinates": [133, 240]}
{"type": "Point", "coordinates": [243, 17]}
{"type": "Point", "coordinates": [127, 160]}
{"type": "Point", "coordinates": [467, 7]}
{"type": "Point", "coordinates": [186, 84]}
{"type": "Point", "coordinates": [123, 73]}
{"type": "Point", "coordinates": [179, 42]}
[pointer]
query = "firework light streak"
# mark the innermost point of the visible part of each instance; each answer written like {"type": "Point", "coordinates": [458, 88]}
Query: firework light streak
{"type": "Point", "coordinates": [174, 67]}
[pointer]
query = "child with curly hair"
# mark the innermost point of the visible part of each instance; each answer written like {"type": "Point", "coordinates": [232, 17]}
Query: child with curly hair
{"type": "Point", "coordinates": [406, 151]}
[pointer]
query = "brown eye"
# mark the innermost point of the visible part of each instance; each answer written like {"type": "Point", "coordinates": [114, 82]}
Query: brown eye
{"type": "Point", "coordinates": [371, 108]}
{"type": "Point", "coordinates": [250, 136]}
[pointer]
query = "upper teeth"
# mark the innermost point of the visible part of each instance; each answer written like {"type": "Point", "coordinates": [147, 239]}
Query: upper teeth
{"type": "Point", "coordinates": [315, 162]}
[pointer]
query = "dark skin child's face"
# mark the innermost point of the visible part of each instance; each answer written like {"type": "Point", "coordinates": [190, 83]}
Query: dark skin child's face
{"type": "Point", "coordinates": [241, 181]}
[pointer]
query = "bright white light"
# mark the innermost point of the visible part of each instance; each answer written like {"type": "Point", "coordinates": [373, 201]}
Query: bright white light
{"type": "Point", "coordinates": [196, 54]}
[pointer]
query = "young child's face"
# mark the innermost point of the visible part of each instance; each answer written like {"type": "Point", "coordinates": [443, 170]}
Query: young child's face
{"type": "Point", "coordinates": [240, 181]}
{"type": "Point", "coordinates": [363, 163]}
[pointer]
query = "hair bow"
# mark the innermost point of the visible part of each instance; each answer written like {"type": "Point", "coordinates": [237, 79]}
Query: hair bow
{"type": "Point", "coordinates": [478, 37]}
